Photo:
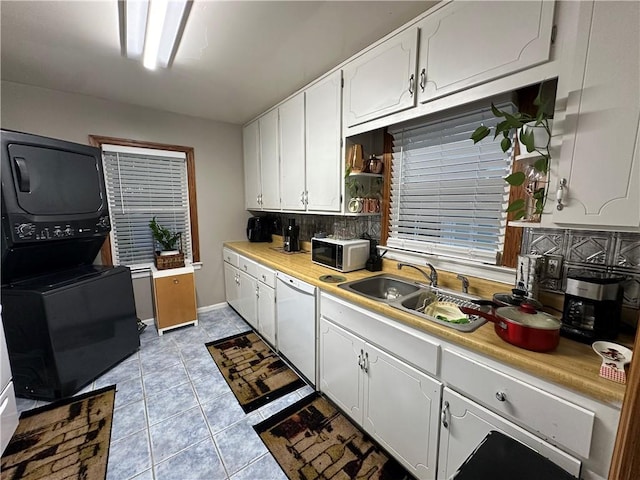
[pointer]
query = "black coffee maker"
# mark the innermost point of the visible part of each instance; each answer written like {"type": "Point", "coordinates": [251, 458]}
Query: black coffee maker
{"type": "Point", "coordinates": [291, 242]}
{"type": "Point", "coordinates": [592, 306]}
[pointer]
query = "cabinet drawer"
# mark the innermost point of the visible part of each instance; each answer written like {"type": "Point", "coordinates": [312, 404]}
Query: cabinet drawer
{"type": "Point", "coordinates": [266, 275]}
{"type": "Point", "coordinates": [230, 257]}
{"type": "Point", "coordinates": [248, 266]}
{"type": "Point", "coordinates": [405, 343]}
{"type": "Point", "coordinates": [550, 416]}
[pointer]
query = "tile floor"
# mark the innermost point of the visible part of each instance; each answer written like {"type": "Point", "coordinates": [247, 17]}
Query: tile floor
{"type": "Point", "coordinates": [175, 417]}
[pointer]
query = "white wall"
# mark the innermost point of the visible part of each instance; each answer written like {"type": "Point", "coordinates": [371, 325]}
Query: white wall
{"type": "Point", "coordinates": [218, 160]}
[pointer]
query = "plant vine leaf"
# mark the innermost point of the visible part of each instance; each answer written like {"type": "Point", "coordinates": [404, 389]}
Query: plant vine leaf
{"type": "Point", "coordinates": [480, 133]}
{"type": "Point", "coordinates": [505, 144]}
{"type": "Point", "coordinates": [541, 164]}
{"type": "Point", "coordinates": [516, 205]}
{"type": "Point", "coordinates": [515, 179]}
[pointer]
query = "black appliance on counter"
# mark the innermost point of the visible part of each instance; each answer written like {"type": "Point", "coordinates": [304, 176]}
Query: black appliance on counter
{"type": "Point", "coordinates": [291, 241]}
{"type": "Point", "coordinates": [592, 306]}
{"type": "Point", "coordinates": [64, 329]}
{"type": "Point", "coordinates": [66, 320]}
{"type": "Point", "coordinates": [259, 229]}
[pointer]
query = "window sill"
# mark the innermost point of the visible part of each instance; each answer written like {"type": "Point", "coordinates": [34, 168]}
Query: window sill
{"type": "Point", "coordinates": [145, 272]}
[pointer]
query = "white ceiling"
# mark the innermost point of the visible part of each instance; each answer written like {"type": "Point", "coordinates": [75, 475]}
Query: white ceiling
{"type": "Point", "coordinates": [236, 59]}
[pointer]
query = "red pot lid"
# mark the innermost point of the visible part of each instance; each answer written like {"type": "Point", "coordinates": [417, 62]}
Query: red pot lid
{"type": "Point", "coordinates": [527, 316]}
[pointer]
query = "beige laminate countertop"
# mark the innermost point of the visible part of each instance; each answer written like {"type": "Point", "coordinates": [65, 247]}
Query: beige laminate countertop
{"type": "Point", "coordinates": [573, 365]}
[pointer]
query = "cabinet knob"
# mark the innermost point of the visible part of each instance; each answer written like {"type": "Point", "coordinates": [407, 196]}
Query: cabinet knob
{"type": "Point", "coordinates": [501, 396]}
{"type": "Point", "coordinates": [176, 281]}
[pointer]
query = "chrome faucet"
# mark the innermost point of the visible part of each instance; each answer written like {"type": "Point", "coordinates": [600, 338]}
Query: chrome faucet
{"type": "Point", "coordinates": [432, 277]}
{"type": "Point", "coordinates": [465, 283]}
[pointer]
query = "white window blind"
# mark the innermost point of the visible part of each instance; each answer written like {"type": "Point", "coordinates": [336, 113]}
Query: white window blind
{"type": "Point", "coordinates": [143, 183]}
{"type": "Point", "coordinates": [449, 196]}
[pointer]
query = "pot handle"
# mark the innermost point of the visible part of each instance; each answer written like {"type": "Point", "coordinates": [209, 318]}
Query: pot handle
{"type": "Point", "coordinates": [486, 315]}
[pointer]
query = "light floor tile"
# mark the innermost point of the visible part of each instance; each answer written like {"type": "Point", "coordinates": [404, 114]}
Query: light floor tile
{"type": "Point", "coordinates": [128, 419]}
{"type": "Point", "coordinates": [177, 433]}
{"type": "Point", "coordinates": [170, 402]}
{"type": "Point", "coordinates": [199, 461]}
{"type": "Point", "coordinates": [158, 382]}
{"type": "Point", "coordinates": [129, 456]}
{"type": "Point", "coordinates": [239, 445]}
{"type": "Point", "coordinates": [222, 412]}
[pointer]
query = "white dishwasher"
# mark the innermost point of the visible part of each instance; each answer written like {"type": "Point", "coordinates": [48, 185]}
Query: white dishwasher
{"type": "Point", "coordinates": [296, 323]}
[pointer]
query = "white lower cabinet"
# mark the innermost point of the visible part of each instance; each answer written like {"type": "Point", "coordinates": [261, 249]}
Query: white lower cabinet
{"type": "Point", "coordinates": [395, 403]}
{"type": "Point", "coordinates": [249, 289]}
{"type": "Point", "coordinates": [267, 304]}
{"type": "Point", "coordinates": [248, 305]}
{"type": "Point", "coordinates": [463, 426]}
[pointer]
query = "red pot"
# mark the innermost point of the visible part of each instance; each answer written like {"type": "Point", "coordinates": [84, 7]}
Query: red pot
{"type": "Point", "coordinates": [523, 326]}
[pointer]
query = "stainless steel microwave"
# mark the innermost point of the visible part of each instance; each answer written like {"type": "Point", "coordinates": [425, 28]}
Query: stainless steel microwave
{"type": "Point", "coordinates": [341, 255]}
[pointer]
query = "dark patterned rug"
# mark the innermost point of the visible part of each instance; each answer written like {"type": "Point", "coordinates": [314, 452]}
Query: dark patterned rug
{"type": "Point", "coordinates": [65, 439]}
{"type": "Point", "coordinates": [312, 439]}
{"type": "Point", "coordinates": [254, 372]}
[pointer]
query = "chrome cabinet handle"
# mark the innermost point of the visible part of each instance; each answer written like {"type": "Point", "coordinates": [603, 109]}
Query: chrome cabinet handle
{"type": "Point", "coordinates": [302, 198]}
{"type": "Point", "coordinates": [444, 415]}
{"type": "Point", "coordinates": [360, 360]}
{"type": "Point", "coordinates": [366, 362]}
{"type": "Point", "coordinates": [423, 79]}
{"type": "Point", "coordinates": [562, 188]}
{"type": "Point", "coordinates": [411, 78]}
{"type": "Point", "coordinates": [501, 396]}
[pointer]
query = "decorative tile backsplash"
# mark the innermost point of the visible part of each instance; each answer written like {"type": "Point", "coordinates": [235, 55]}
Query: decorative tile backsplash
{"type": "Point", "coordinates": [616, 253]}
{"type": "Point", "coordinates": [312, 224]}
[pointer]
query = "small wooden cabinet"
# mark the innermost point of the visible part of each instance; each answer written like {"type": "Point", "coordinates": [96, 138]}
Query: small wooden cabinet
{"type": "Point", "coordinates": [174, 298]}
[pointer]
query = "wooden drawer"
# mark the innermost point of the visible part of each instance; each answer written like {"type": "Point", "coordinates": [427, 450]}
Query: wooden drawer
{"type": "Point", "coordinates": [547, 415]}
{"type": "Point", "coordinates": [248, 266]}
{"type": "Point", "coordinates": [412, 346]}
{"type": "Point", "coordinates": [230, 257]}
{"type": "Point", "coordinates": [266, 276]}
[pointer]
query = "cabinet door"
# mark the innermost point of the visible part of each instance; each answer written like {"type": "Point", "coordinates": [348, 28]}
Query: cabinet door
{"type": "Point", "coordinates": [323, 133]}
{"type": "Point", "coordinates": [383, 80]}
{"type": "Point", "coordinates": [465, 424]}
{"type": "Point", "coordinates": [251, 152]}
{"type": "Point", "coordinates": [292, 159]}
{"type": "Point", "coordinates": [401, 411]}
{"type": "Point", "coordinates": [600, 156]}
{"type": "Point", "coordinates": [463, 43]}
{"type": "Point", "coordinates": [269, 161]}
{"type": "Point", "coordinates": [175, 300]}
{"type": "Point", "coordinates": [231, 286]}
{"type": "Point", "coordinates": [248, 302]}
{"type": "Point", "coordinates": [267, 313]}
{"type": "Point", "coordinates": [340, 372]}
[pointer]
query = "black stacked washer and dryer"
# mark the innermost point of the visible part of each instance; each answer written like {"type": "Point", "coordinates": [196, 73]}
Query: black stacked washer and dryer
{"type": "Point", "coordinates": [66, 320]}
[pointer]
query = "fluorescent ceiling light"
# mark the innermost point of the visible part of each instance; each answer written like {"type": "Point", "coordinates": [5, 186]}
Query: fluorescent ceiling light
{"type": "Point", "coordinates": [152, 29]}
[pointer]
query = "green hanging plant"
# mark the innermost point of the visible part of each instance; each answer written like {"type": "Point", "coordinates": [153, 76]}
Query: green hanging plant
{"type": "Point", "coordinates": [514, 122]}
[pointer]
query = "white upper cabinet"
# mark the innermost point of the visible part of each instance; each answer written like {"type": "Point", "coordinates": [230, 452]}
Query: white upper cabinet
{"type": "Point", "coordinates": [323, 150]}
{"type": "Point", "coordinates": [600, 157]}
{"type": "Point", "coordinates": [292, 153]}
{"type": "Point", "coordinates": [383, 80]}
{"type": "Point", "coordinates": [269, 161]}
{"type": "Point", "coordinates": [467, 43]}
{"type": "Point", "coordinates": [251, 147]}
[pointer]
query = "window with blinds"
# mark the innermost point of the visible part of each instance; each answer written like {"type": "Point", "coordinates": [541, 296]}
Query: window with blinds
{"type": "Point", "coordinates": [141, 184]}
{"type": "Point", "coordinates": [449, 196]}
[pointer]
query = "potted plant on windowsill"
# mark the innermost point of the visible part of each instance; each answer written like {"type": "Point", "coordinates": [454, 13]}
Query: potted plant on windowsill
{"type": "Point", "coordinates": [534, 134]}
{"type": "Point", "coordinates": [169, 255]}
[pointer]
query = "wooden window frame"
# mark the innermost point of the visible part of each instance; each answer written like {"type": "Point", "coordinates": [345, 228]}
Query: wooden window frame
{"type": "Point", "coordinates": [98, 141]}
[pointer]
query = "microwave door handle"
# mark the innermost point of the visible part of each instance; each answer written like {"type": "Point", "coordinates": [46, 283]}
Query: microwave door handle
{"type": "Point", "coordinates": [24, 184]}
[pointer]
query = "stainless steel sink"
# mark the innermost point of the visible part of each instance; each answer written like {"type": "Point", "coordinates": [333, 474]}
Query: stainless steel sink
{"type": "Point", "coordinates": [383, 287]}
{"type": "Point", "coordinates": [412, 297]}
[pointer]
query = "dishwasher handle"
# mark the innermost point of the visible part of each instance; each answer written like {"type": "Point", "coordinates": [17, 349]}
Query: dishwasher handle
{"type": "Point", "coordinates": [295, 283]}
